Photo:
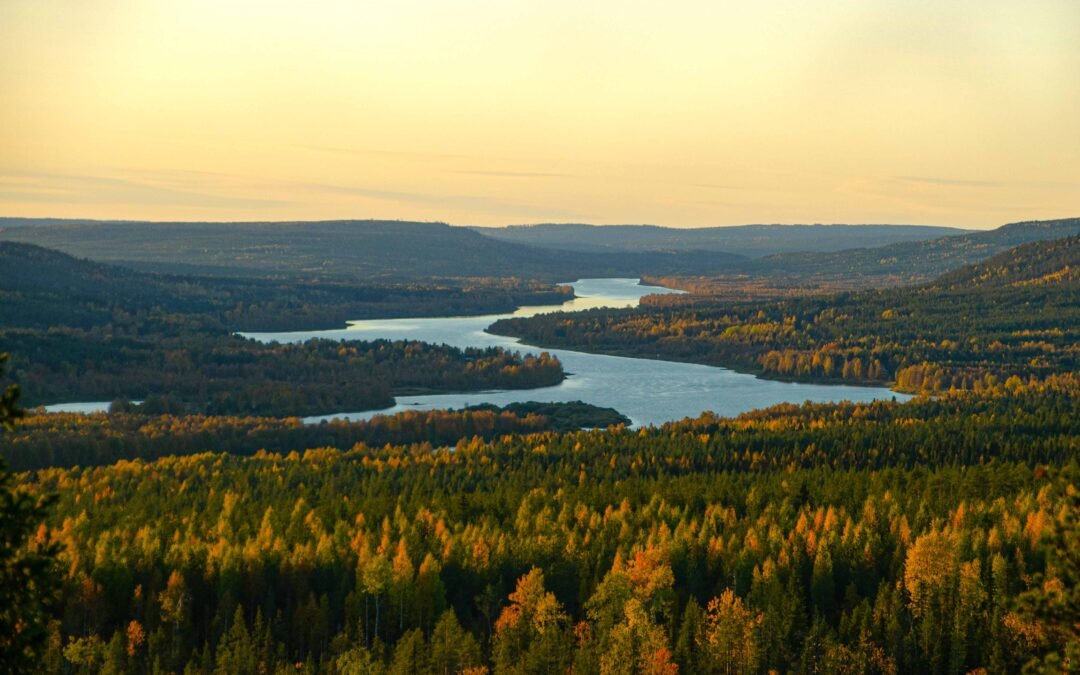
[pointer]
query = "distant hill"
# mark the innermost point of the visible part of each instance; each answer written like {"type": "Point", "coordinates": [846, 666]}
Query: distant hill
{"type": "Point", "coordinates": [748, 240]}
{"type": "Point", "coordinates": [908, 262]}
{"type": "Point", "coordinates": [367, 250]}
{"type": "Point", "coordinates": [359, 249]}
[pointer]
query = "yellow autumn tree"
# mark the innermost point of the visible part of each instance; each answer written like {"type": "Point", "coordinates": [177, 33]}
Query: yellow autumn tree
{"type": "Point", "coordinates": [931, 562]}
{"type": "Point", "coordinates": [729, 642]}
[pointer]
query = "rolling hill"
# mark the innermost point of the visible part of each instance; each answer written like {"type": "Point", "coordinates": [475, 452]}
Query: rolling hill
{"type": "Point", "coordinates": [748, 240]}
{"type": "Point", "coordinates": [397, 250]}
{"type": "Point", "coordinates": [345, 249]}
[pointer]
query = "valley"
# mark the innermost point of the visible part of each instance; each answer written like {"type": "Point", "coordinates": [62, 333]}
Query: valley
{"type": "Point", "coordinates": [403, 475]}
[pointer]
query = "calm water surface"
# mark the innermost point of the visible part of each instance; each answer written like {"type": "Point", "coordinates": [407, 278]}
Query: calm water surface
{"type": "Point", "coordinates": [647, 391]}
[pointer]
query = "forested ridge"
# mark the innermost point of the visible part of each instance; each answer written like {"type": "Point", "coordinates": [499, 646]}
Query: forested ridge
{"type": "Point", "coordinates": [911, 261]}
{"type": "Point", "coordinates": [43, 288]}
{"type": "Point", "coordinates": [403, 251]}
{"type": "Point", "coordinates": [1017, 313]}
{"type": "Point", "coordinates": [749, 240]}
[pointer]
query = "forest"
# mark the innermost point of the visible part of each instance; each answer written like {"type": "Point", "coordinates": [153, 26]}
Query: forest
{"type": "Point", "coordinates": [907, 262]}
{"type": "Point", "coordinates": [357, 251]}
{"type": "Point", "coordinates": [1013, 315]}
{"type": "Point", "coordinates": [939, 535]}
{"type": "Point", "coordinates": [882, 538]}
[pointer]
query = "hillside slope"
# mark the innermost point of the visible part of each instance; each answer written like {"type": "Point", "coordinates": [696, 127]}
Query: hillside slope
{"type": "Point", "coordinates": [43, 288]}
{"type": "Point", "coordinates": [1056, 261]}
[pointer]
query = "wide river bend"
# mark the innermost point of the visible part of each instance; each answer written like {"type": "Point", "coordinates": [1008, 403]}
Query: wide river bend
{"type": "Point", "coordinates": [647, 391]}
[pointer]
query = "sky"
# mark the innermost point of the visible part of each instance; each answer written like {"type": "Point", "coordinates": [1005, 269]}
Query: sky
{"type": "Point", "coordinates": [495, 112]}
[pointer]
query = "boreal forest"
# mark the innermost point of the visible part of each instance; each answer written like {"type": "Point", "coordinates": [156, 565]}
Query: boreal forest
{"type": "Point", "coordinates": [209, 529]}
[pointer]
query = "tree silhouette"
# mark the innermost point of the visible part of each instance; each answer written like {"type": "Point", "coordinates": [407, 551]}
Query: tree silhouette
{"type": "Point", "coordinates": [28, 585]}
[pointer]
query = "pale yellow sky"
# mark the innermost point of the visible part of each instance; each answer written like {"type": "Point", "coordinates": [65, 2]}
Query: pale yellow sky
{"type": "Point", "coordinates": [489, 112]}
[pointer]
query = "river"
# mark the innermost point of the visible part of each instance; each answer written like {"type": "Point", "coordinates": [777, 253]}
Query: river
{"type": "Point", "coordinates": [647, 391]}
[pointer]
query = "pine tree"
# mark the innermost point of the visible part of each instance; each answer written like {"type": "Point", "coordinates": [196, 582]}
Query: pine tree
{"type": "Point", "coordinates": [410, 655]}
{"type": "Point", "coordinates": [1053, 606]}
{"type": "Point", "coordinates": [452, 648]}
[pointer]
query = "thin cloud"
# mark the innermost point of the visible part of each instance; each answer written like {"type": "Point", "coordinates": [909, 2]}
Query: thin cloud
{"type": "Point", "coordinates": [457, 202]}
{"type": "Point", "coordinates": [368, 152]}
{"type": "Point", "coordinates": [513, 174]}
{"type": "Point", "coordinates": [709, 202]}
{"type": "Point", "coordinates": [213, 190]}
{"type": "Point", "coordinates": [953, 182]}
{"type": "Point", "coordinates": [53, 188]}
{"type": "Point", "coordinates": [712, 186]}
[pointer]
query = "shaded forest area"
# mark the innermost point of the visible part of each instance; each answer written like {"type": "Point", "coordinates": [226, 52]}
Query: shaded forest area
{"type": "Point", "coordinates": [228, 375]}
{"type": "Point", "coordinates": [43, 288]}
{"type": "Point", "coordinates": [361, 250]}
{"type": "Point", "coordinates": [902, 263]}
{"type": "Point", "coordinates": [83, 331]}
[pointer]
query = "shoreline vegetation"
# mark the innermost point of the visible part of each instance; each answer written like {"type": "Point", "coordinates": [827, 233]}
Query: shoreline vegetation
{"type": "Point", "coordinates": [758, 372]}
